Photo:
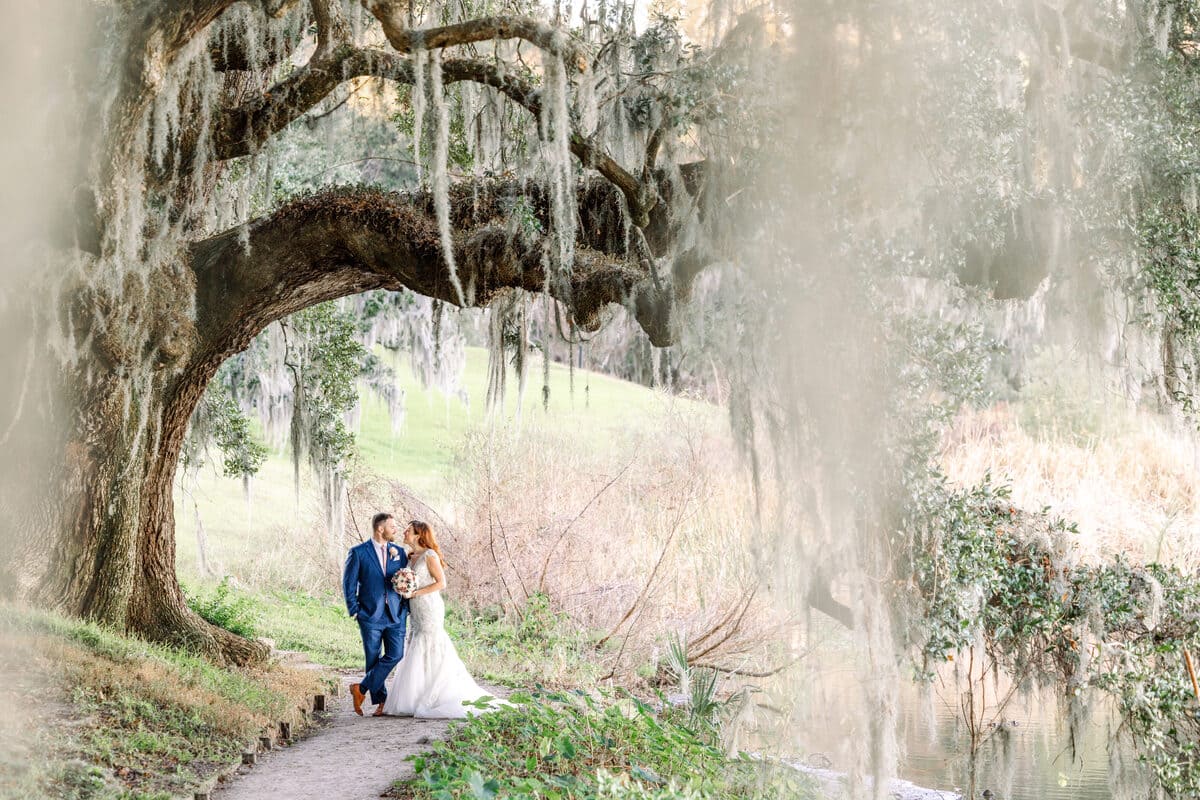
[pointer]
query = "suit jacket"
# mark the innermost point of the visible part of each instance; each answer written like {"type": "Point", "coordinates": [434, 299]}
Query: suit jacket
{"type": "Point", "coordinates": [370, 596]}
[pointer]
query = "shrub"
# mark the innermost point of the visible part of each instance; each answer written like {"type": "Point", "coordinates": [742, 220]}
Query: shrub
{"type": "Point", "coordinates": [225, 609]}
{"type": "Point", "coordinates": [552, 745]}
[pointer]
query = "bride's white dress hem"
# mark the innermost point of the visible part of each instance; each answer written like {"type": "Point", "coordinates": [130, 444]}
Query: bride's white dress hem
{"type": "Point", "coordinates": [431, 681]}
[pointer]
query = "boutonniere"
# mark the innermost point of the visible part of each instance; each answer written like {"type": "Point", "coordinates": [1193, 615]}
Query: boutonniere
{"type": "Point", "coordinates": [393, 551]}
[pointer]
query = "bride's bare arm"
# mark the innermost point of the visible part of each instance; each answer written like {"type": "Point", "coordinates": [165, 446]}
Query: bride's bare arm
{"type": "Point", "coordinates": [435, 571]}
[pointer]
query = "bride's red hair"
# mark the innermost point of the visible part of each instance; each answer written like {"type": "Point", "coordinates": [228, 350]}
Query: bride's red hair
{"type": "Point", "coordinates": [426, 539]}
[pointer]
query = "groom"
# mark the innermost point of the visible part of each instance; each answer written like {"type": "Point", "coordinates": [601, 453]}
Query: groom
{"type": "Point", "coordinates": [381, 612]}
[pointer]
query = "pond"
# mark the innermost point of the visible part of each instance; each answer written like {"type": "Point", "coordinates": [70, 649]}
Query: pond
{"type": "Point", "coordinates": [1025, 755]}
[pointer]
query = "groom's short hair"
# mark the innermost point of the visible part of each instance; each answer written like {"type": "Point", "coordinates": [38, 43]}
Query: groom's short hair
{"type": "Point", "coordinates": [379, 519]}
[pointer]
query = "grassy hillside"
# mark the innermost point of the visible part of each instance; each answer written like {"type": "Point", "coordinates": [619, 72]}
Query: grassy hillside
{"type": "Point", "coordinates": [283, 572]}
{"type": "Point", "coordinates": [599, 411]}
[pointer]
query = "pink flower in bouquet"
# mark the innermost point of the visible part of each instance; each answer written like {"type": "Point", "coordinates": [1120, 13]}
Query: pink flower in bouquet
{"type": "Point", "coordinates": [405, 581]}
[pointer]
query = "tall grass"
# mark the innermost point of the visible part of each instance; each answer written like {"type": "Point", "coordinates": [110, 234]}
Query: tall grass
{"type": "Point", "coordinates": [1129, 479]}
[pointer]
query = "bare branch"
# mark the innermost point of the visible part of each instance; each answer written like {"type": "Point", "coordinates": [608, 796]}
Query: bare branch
{"type": "Point", "coordinates": [566, 530]}
{"type": "Point", "coordinates": [733, 629]}
{"type": "Point", "coordinates": [750, 673]}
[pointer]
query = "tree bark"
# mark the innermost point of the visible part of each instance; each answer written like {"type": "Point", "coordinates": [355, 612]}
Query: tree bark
{"type": "Point", "coordinates": [155, 335]}
{"type": "Point", "coordinates": [118, 563]}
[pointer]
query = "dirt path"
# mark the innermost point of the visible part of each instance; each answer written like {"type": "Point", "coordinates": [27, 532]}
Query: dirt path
{"type": "Point", "coordinates": [349, 758]}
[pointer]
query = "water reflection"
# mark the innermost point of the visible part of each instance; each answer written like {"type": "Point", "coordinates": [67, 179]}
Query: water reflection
{"type": "Point", "coordinates": [1025, 750]}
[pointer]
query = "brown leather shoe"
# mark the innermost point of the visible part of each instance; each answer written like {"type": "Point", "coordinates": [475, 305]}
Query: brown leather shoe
{"type": "Point", "coordinates": [378, 710]}
{"type": "Point", "coordinates": [356, 692]}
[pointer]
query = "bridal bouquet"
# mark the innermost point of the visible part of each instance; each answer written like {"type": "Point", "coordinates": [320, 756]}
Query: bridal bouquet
{"type": "Point", "coordinates": [405, 582]}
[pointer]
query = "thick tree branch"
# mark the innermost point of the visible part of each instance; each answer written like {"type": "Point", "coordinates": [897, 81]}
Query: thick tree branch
{"type": "Point", "coordinates": [347, 241]}
{"type": "Point", "coordinates": [241, 130]}
{"type": "Point", "coordinates": [821, 598]}
{"type": "Point", "coordinates": [332, 28]}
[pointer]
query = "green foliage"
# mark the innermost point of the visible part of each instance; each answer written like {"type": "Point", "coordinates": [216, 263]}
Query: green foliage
{"type": "Point", "coordinates": [326, 361]}
{"type": "Point", "coordinates": [983, 569]}
{"type": "Point", "coordinates": [539, 646]}
{"type": "Point", "coordinates": [573, 745]}
{"type": "Point", "coordinates": [231, 431]}
{"type": "Point", "coordinates": [218, 420]}
{"type": "Point", "coordinates": [699, 686]}
{"type": "Point", "coordinates": [977, 573]}
{"type": "Point", "coordinates": [225, 608]}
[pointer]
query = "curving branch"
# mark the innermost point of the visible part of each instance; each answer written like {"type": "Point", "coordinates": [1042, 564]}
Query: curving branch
{"type": "Point", "coordinates": [240, 131]}
{"type": "Point", "coordinates": [346, 241]}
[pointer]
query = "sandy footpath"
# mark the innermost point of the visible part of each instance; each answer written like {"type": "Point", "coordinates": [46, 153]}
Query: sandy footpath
{"type": "Point", "coordinates": [348, 758]}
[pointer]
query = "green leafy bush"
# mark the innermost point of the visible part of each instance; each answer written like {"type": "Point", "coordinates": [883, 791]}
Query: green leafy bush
{"type": "Point", "coordinates": [987, 571]}
{"type": "Point", "coordinates": [227, 609]}
{"type": "Point", "coordinates": [573, 745]}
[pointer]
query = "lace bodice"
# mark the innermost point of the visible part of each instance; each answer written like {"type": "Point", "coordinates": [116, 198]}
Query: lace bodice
{"type": "Point", "coordinates": [420, 568]}
{"type": "Point", "coordinates": [431, 680]}
{"type": "Point", "coordinates": [428, 611]}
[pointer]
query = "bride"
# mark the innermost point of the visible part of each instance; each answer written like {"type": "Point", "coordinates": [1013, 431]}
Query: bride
{"type": "Point", "coordinates": [430, 681]}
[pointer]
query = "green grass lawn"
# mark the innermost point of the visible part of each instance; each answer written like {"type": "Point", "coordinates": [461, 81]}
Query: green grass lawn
{"type": "Point", "coordinates": [540, 648]}
{"type": "Point", "coordinates": [599, 407]}
{"type": "Point", "coordinates": [600, 410]}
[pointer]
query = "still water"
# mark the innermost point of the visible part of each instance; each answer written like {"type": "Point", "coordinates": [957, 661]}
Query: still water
{"type": "Point", "coordinates": [1027, 756]}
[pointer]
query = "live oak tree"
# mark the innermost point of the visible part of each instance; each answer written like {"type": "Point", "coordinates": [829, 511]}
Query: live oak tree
{"type": "Point", "coordinates": [603, 176]}
{"type": "Point", "coordinates": [155, 282]}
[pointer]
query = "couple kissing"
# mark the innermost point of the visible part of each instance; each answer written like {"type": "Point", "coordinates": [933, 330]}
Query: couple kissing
{"type": "Point", "coordinates": [394, 590]}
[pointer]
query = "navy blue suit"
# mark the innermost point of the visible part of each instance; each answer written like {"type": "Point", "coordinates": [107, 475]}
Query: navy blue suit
{"type": "Point", "coordinates": [381, 612]}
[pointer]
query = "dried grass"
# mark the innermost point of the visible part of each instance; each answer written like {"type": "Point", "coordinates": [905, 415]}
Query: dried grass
{"type": "Point", "coordinates": [645, 537]}
{"type": "Point", "coordinates": [1131, 486]}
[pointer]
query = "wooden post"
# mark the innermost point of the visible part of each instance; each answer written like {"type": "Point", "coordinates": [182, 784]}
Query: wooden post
{"type": "Point", "coordinates": [1187, 659]}
{"type": "Point", "coordinates": [265, 742]}
{"type": "Point", "coordinates": [285, 731]}
{"type": "Point", "coordinates": [249, 758]}
{"type": "Point", "coordinates": [200, 796]}
{"type": "Point", "coordinates": [319, 703]}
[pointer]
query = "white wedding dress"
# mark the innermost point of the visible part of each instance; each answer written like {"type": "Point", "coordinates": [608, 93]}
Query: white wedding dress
{"type": "Point", "coordinates": [430, 681]}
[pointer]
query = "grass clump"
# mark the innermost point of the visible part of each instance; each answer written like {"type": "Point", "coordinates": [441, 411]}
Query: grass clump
{"type": "Point", "coordinates": [541, 646]}
{"type": "Point", "coordinates": [559, 745]}
{"type": "Point", "coordinates": [226, 608]}
{"type": "Point", "coordinates": [122, 718]}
